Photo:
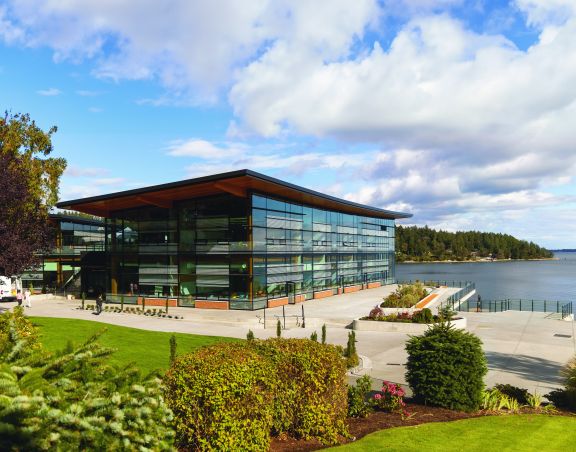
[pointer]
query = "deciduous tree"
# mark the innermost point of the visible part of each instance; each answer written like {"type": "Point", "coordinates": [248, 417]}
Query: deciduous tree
{"type": "Point", "coordinates": [29, 182]}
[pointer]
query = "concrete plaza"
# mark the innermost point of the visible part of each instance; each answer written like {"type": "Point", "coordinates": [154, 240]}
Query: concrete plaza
{"type": "Point", "coordinates": [526, 349]}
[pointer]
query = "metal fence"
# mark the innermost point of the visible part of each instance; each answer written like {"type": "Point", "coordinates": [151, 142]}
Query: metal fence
{"type": "Point", "coordinates": [553, 306]}
{"type": "Point", "coordinates": [430, 282]}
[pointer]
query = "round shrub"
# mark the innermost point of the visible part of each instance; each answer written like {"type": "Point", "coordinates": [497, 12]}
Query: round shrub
{"type": "Point", "coordinates": [445, 368]}
{"type": "Point", "coordinates": [311, 397]}
{"type": "Point", "coordinates": [221, 397]}
{"type": "Point", "coordinates": [423, 316]}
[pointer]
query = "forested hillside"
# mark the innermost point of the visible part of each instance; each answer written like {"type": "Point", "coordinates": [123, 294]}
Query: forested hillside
{"type": "Point", "coordinates": [424, 244]}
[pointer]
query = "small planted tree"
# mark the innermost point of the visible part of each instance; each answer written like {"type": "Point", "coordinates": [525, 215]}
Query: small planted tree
{"type": "Point", "coordinates": [278, 329]}
{"type": "Point", "coordinates": [324, 333]}
{"type": "Point", "coordinates": [350, 353]}
{"type": "Point", "coordinates": [173, 346]}
{"type": "Point", "coordinates": [314, 336]}
{"type": "Point", "coordinates": [445, 368]}
{"type": "Point", "coordinates": [250, 335]}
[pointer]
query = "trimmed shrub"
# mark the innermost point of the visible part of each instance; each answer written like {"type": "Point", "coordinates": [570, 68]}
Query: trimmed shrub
{"type": "Point", "coordinates": [519, 394]}
{"type": "Point", "coordinates": [423, 316]}
{"type": "Point", "coordinates": [376, 312]}
{"type": "Point", "coordinates": [359, 402]}
{"type": "Point", "coordinates": [222, 398]}
{"type": "Point", "coordinates": [445, 368]}
{"type": "Point", "coordinates": [566, 398]}
{"type": "Point", "coordinates": [311, 397]}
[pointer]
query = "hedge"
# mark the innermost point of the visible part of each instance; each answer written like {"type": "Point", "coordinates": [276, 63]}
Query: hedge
{"type": "Point", "coordinates": [235, 396]}
{"type": "Point", "coordinates": [221, 397]}
{"type": "Point", "coordinates": [312, 396]}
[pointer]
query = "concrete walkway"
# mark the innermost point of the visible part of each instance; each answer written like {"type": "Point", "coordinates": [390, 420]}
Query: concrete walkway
{"type": "Point", "coordinates": [523, 348]}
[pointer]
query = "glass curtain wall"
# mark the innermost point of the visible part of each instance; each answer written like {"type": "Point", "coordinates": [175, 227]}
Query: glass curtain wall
{"type": "Point", "coordinates": [59, 267]}
{"type": "Point", "coordinates": [304, 250]}
{"type": "Point", "coordinates": [197, 250]}
{"type": "Point", "coordinates": [142, 252]}
{"type": "Point", "coordinates": [244, 251]}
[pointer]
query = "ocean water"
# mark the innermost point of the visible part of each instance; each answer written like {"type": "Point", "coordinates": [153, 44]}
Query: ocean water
{"type": "Point", "coordinates": [535, 280]}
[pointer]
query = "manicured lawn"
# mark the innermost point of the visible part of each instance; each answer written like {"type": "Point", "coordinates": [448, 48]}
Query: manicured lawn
{"type": "Point", "coordinates": [500, 433]}
{"type": "Point", "coordinates": [148, 349]}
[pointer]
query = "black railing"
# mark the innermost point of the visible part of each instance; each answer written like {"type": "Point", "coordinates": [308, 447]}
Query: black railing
{"type": "Point", "coordinates": [567, 310]}
{"type": "Point", "coordinates": [430, 282]}
{"type": "Point", "coordinates": [516, 304]}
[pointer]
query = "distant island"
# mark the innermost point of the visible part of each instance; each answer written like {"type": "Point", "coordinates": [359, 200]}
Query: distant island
{"type": "Point", "coordinates": [423, 244]}
{"type": "Point", "coordinates": [568, 250]}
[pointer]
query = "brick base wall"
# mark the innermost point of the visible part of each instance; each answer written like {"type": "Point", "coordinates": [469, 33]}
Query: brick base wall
{"type": "Point", "coordinates": [204, 304]}
{"type": "Point", "coordinates": [373, 285]}
{"type": "Point", "coordinates": [277, 302]}
{"type": "Point", "coordinates": [172, 302]}
{"type": "Point", "coordinates": [352, 289]}
{"type": "Point", "coordinates": [323, 293]}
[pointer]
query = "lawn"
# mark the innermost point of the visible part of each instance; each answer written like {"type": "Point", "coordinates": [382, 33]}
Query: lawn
{"type": "Point", "coordinates": [148, 349]}
{"type": "Point", "coordinates": [502, 433]}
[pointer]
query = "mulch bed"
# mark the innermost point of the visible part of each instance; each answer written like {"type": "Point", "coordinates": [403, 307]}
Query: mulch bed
{"type": "Point", "coordinates": [359, 427]}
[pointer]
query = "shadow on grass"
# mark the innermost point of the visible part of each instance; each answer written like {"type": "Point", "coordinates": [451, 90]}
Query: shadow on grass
{"type": "Point", "coordinates": [528, 367]}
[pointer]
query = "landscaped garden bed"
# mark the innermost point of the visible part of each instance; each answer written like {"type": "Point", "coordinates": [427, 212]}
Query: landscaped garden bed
{"type": "Point", "coordinates": [412, 321]}
{"type": "Point", "coordinates": [405, 296]}
{"type": "Point", "coordinates": [420, 414]}
{"type": "Point", "coordinates": [290, 394]}
{"type": "Point", "coordinates": [400, 327]}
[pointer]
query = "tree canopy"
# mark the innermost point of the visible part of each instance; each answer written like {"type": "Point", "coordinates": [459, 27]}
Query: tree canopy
{"type": "Point", "coordinates": [424, 244]}
{"type": "Point", "coordinates": [29, 181]}
{"type": "Point", "coordinates": [74, 399]}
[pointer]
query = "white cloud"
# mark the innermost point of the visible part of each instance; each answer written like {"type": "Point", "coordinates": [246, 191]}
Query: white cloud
{"type": "Point", "coordinates": [50, 92]}
{"type": "Point", "coordinates": [191, 44]}
{"type": "Point", "coordinates": [547, 12]}
{"type": "Point", "coordinates": [203, 149]}
{"type": "Point", "coordinates": [458, 119]}
{"type": "Point", "coordinates": [77, 171]}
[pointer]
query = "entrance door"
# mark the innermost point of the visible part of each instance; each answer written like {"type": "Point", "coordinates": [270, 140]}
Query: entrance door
{"type": "Point", "coordinates": [290, 290]}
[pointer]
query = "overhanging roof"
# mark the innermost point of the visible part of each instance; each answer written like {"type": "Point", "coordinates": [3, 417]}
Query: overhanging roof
{"type": "Point", "coordinates": [237, 183]}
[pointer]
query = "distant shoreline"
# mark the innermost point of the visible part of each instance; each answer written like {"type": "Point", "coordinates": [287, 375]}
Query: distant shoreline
{"type": "Point", "coordinates": [468, 261]}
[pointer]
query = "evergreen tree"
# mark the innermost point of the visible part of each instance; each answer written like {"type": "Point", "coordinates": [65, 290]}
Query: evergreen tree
{"type": "Point", "coordinates": [425, 244]}
{"type": "Point", "coordinates": [74, 400]}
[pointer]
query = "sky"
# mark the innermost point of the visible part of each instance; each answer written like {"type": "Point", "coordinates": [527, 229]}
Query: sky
{"type": "Point", "coordinates": [460, 112]}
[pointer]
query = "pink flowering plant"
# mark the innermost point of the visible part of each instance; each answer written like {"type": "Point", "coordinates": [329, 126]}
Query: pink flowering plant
{"type": "Point", "coordinates": [391, 398]}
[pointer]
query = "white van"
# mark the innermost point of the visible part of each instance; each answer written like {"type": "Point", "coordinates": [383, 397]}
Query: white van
{"type": "Point", "coordinates": [9, 287]}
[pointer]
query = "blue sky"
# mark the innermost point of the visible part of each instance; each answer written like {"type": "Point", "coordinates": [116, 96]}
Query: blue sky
{"type": "Point", "coordinates": [461, 112]}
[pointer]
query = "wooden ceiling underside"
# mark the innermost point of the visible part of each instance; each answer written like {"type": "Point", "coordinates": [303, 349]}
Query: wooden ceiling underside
{"type": "Point", "coordinates": [237, 186]}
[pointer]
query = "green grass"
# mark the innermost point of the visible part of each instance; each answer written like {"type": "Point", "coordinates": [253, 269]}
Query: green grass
{"type": "Point", "coordinates": [501, 433]}
{"type": "Point", "coordinates": [148, 349]}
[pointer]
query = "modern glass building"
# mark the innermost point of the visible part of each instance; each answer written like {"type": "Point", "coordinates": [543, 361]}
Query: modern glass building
{"type": "Point", "coordinates": [239, 240]}
{"type": "Point", "coordinates": [74, 263]}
